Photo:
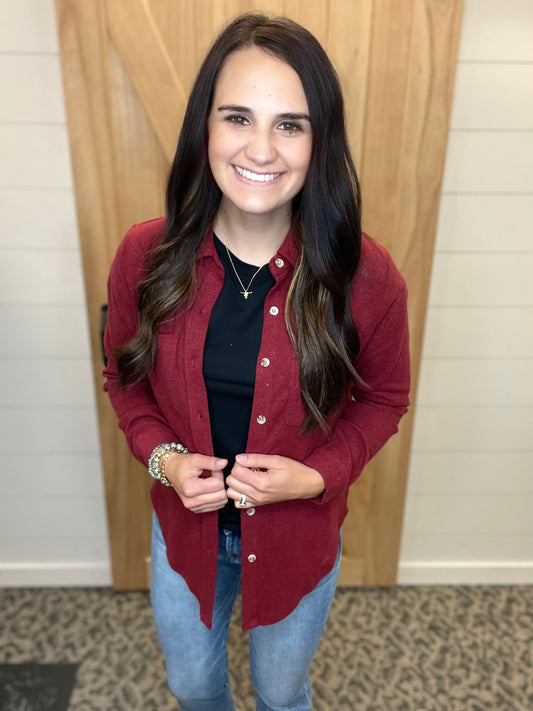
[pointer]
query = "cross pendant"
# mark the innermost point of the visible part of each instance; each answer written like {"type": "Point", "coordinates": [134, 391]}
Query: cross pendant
{"type": "Point", "coordinates": [246, 293]}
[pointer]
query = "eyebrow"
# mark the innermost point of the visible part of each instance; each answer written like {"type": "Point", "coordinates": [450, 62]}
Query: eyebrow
{"type": "Point", "coordinates": [286, 116]}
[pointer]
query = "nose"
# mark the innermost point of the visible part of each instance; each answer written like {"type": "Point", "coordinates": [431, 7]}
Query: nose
{"type": "Point", "coordinates": [261, 146]}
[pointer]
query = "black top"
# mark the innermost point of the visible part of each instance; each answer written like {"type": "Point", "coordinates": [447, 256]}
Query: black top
{"type": "Point", "coordinates": [230, 357]}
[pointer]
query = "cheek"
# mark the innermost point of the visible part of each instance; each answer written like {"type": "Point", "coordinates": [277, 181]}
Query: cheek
{"type": "Point", "coordinates": [216, 144]}
{"type": "Point", "coordinates": [303, 158]}
{"type": "Point", "coordinates": [304, 155]}
{"type": "Point", "coordinates": [221, 144]}
{"type": "Point", "coordinates": [212, 147]}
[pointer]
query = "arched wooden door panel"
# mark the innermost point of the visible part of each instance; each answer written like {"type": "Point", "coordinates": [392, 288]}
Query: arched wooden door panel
{"type": "Point", "coordinates": [128, 66]}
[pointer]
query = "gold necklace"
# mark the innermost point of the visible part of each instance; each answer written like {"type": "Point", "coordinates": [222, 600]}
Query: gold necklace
{"type": "Point", "coordinates": [246, 289]}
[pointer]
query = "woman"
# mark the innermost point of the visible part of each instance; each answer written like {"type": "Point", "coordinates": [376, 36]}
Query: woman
{"type": "Point", "coordinates": [258, 358]}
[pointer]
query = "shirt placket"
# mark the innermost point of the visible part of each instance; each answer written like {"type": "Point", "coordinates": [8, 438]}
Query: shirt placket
{"type": "Point", "coordinates": [268, 370]}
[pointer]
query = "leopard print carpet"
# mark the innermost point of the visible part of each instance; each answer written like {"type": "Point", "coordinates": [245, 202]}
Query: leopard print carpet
{"type": "Point", "coordinates": [384, 649]}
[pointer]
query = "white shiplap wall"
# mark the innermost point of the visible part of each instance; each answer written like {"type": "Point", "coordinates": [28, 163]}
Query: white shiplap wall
{"type": "Point", "coordinates": [469, 512]}
{"type": "Point", "coordinates": [470, 498]}
{"type": "Point", "coordinates": [52, 520]}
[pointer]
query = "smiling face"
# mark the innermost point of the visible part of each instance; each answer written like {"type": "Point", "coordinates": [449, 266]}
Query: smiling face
{"type": "Point", "coordinates": [260, 135]}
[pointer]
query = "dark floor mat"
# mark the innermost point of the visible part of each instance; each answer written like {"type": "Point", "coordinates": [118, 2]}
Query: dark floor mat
{"type": "Point", "coordinates": [36, 687]}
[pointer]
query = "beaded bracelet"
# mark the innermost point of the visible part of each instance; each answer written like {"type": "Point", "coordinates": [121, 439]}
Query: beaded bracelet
{"type": "Point", "coordinates": [156, 463]}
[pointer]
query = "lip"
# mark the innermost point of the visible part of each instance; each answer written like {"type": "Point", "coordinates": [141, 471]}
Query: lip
{"type": "Point", "coordinates": [250, 181]}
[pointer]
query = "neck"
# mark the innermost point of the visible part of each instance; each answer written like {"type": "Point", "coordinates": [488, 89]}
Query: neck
{"type": "Point", "coordinates": [254, 239]}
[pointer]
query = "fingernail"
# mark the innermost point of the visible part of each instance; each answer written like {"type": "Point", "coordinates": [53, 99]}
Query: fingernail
{"type": "Point", "coordinates": [241, 458]}
{"type": "Point", "coordinates": [221, 462]}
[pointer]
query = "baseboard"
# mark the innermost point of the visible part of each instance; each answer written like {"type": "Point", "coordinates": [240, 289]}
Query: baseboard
{"type": "Point", "coordinates": [148, 567]}
{"type": "Point", "coordinates": [27, 575]}
{"type": "Point", "coordinates": [33, 575]}
{"type": "Point", "coordinates": [466, 573]}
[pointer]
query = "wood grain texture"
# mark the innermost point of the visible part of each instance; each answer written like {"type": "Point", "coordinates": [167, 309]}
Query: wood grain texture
{"type": "Point", "coordinates": [414, 55]}
{"type": "Point", "coordinates": [347, 43]}
{"type": "Point", "coordinates": [137, 38]}
{"type": "Point", "coordinates": [128, 65]}
{"type": "Point", "coordinates": [85, 62]}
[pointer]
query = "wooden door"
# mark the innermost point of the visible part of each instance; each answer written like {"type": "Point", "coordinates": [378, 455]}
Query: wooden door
{"type": "Point", "coordinates": [128, 66]}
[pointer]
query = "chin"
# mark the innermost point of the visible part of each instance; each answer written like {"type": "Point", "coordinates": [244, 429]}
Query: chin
{"type": "Point", "coordinates": [258, 207]}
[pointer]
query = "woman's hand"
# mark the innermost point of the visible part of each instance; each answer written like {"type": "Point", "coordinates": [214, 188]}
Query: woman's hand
{"type": "Point", "coordinates": [268, 478]}
{"type": "Point", "coordinates": [184, 472]}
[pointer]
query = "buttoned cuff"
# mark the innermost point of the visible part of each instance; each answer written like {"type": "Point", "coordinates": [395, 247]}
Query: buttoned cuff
{"type": "Point", "coordinates": [336, 475]}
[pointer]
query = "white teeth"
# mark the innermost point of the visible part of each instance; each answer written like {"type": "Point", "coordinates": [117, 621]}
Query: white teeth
{"type": "Point", "coordinates": [259, 177]}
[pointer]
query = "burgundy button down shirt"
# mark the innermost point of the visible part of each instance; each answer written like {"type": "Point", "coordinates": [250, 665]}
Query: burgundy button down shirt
{"type": "Point", "coordinates": [287, 547]}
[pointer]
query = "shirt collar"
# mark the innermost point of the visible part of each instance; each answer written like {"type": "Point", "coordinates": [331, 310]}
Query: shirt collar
{"type": "Point", "coordinates": [288, 249]}
{"type": "Point", "coordinates": [207, 248]}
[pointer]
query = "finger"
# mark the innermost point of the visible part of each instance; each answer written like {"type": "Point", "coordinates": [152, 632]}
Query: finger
{"type": "Point", "coordinates": [241, 478]}
{"type": "Point", "coordinates": [212, 501]}
{"type": "Point", "coordinates": [180, 468]}
{"type": "Point", "coordinates": [209, 502]}
{"type": "Point", "coordinates": [214, 482]}
{"type": "Point", "coordinates": [218, 476]}
{"type": "Point", "coordinates": [241, 483]}
{"type": "Point", "coordinates": [243, 503]}
{"type": "Point", "coordinates": [206, 508]}
{"type": "Point", "coordinates": [207, 463]}
{"type": "Point", "coordinates": [238, 500]}
{"type": "Point", "coordinates": [195, 487]}
{"type": "Point", "coordinates": [258, 461]}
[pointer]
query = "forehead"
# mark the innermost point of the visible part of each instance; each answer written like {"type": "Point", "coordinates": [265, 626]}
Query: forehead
{"type": "Point", "coordinates": [253, 75]}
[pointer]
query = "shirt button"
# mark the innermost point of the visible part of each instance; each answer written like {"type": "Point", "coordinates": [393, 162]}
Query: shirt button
{"type": "Point", "coordinates": [252, 558]}
{"type": "Point", "coordinates": [279, 263]}
{"type": "Point", "coordinates": [265, 362]}
{"type": "Point", "coordinates": [250, 512]}
{"type": "Point", "coordinates": [261, 419]}
{"type": "Point", "coordinates": [274, 311]}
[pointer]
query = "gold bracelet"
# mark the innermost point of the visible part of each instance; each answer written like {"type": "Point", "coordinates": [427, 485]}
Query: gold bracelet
{"type": "Point", "coordinates": [156, 465]}
{"type": "Point", "coordinates": [162, 464]}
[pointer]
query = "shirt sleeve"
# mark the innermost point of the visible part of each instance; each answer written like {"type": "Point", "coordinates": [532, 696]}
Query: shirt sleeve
{"type": "Point", "coordinates": [373, 412]}
{"type": "Point", "coordinates": [138, 413]}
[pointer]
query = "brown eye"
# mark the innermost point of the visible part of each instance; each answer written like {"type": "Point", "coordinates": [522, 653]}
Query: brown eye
{"type": "Point", "coordinates": [237, 119]}
{"type": "Point", "coordinates": [290, 127]}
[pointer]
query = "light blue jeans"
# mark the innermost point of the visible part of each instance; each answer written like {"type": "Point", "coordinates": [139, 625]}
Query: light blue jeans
{"type": "Point", "coordinates": [196, 657]}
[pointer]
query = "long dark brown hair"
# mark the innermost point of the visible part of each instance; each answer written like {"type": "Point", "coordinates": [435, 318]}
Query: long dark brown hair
{"type": "Point", "coordinates": [326, 212]}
